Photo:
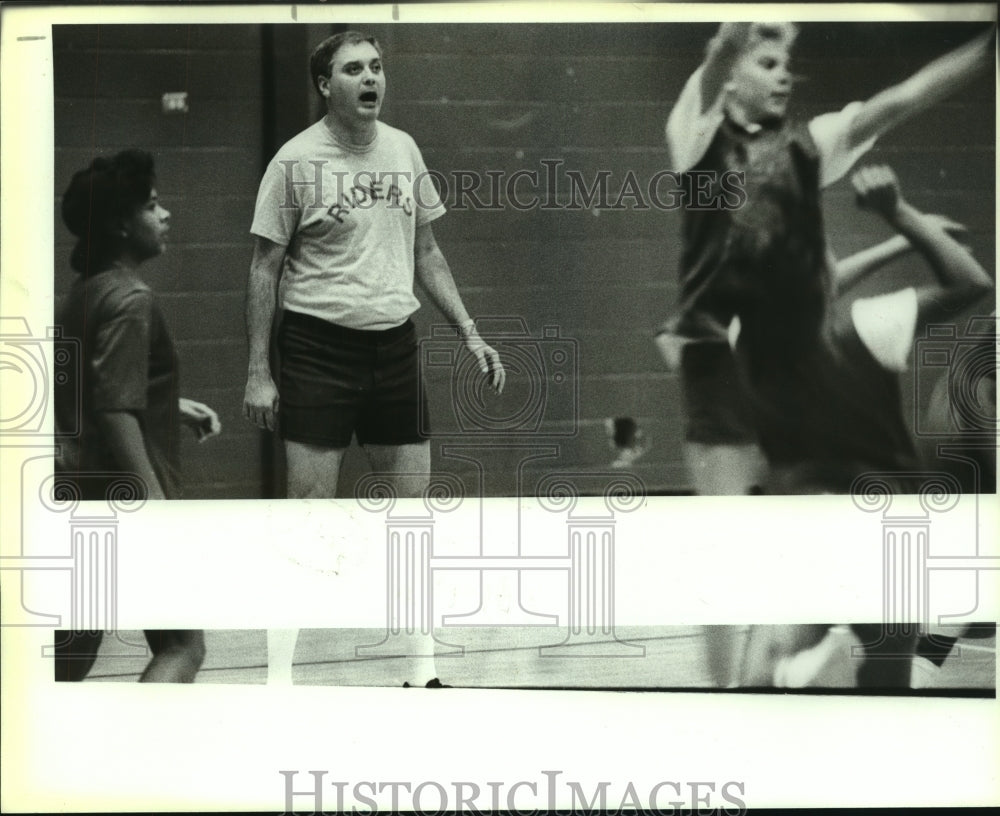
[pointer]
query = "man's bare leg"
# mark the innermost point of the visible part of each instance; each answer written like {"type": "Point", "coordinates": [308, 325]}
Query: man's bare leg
{"type": "Point", "coordinates": [412, 463]}
{"type": "Point", "coordinates": [313, 472]}
{"type": "Point", "coordinates": [280, 655]}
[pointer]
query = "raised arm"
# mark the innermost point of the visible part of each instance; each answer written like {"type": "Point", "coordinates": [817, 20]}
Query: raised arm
{"type": "Point", "coordinates": [700, 108]}
{"type": "Point", "coordinates": [961, 280]}
{"type": "Point", "coordinates": [721, 54]}
{"type": "Point", "coordinates": [855, 268]}
{"type": "Point", "coordinates": [434, 276]}
{"type": "Point", "coordinates": [260, 400]}
{"type": "Point", "coordinates": [932, 83]}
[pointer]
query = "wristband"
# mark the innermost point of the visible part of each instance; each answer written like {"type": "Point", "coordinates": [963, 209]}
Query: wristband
{"type": "Point", "coordinates": [468, 328]}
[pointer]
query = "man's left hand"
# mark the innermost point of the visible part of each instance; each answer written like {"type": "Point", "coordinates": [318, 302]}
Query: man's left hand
{"type": "Point", "coordinates": [488, 359]}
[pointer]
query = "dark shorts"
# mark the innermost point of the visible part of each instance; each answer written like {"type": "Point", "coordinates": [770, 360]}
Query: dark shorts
{"type": "Point", "coordinates": [716, 407]}
{"type": "Point", "coordinates": [336, 382]}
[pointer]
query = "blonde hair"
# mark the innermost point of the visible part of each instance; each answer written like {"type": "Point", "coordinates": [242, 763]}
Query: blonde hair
{"type": "Point", "coordinates": [741, 38]}
{"type": "Point", "coordinates": [782, 34]}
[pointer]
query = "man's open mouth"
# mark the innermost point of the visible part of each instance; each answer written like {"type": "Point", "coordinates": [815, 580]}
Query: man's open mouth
{"type": "Point", "coordinates": [369, 96]}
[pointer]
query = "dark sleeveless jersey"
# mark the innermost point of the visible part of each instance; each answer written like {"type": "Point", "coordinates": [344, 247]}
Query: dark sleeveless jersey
{"type": "Point", "coordinates": [781, 164]}
{"type": "Point", "coordinates": [822, 405]}
{"type": "Point", "coordinates": [826, 411]}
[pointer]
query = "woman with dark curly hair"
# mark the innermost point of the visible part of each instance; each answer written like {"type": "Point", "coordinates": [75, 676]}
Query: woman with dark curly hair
{"type": "Point", "coordinates": [129, 410]}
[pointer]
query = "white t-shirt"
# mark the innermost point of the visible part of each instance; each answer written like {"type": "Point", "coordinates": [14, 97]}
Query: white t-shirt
{"type": "Point", "coordinates": [348, 220]}
{"type": "Point", "coordinates": [690, 131]}
{"type": "Point", "coordinates": [887, 326]}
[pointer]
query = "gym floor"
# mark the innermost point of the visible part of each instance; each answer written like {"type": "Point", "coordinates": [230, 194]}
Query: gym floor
{"type": "Point", "coordinates": [667, 657]}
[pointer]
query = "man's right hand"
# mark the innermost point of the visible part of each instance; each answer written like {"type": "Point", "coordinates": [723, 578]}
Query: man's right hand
{"type": "Point", "coordinates": [260, 401]}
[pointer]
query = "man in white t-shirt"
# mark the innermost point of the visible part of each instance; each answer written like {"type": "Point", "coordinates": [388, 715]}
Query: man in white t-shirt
{"type": "Point", "coordinates": [344, 211]}
{"type": "Point", "coordinates": [343, 221]}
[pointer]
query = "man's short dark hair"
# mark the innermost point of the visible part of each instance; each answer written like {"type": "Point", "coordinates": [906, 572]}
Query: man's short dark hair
{"type": "Point", "coordinates": [322, 56]}
{"type": "Point", "coordinates": [110, 190]}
